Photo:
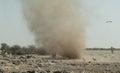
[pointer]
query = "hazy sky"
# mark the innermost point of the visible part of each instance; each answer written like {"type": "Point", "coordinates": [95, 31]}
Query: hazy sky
{"type": "Point", "coordinates": [13, 28]}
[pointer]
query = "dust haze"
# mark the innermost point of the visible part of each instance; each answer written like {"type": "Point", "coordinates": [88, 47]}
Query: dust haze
{"type": "Point", "coordinates": [58, 25]}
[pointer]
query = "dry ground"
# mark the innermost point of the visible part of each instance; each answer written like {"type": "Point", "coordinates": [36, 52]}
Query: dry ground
{"type": "Point", "coordinates": [93, 61]}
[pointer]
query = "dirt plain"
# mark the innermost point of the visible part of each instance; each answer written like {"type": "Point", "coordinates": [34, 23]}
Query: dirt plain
{"type": "Point", "coordinates": [92, 61]}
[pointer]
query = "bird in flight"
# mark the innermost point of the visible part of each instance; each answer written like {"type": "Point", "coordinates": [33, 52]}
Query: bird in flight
{"type": "Point", "coordinates": [108, 21]}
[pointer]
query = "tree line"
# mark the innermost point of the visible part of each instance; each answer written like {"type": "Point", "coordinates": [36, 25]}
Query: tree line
{"type": "Point", "coordinates": [18, 50]}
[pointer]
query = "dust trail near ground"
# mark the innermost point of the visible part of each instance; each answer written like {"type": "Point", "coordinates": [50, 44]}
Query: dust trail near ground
{"type": "Point", "coordinates": [57, 24]}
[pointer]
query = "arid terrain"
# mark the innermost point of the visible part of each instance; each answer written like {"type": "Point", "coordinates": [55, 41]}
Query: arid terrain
{"type": "Point", "coordinates": [92, 61]}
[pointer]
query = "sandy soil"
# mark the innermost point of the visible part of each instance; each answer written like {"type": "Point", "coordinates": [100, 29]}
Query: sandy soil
{"type": "Point", "coordinates": [102, 56]}
{"type": "Point", "coordinates": [91, 62]}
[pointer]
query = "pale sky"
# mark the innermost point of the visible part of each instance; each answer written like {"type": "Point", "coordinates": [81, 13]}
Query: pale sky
{"type": "Point", "coordinates": [13, 28]}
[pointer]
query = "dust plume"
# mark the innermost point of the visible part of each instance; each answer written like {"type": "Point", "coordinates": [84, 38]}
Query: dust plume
{"type": "Point", "coordinates": [58, 25]}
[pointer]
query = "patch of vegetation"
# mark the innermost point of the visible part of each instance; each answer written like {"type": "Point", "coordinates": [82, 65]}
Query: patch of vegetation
{"type": "Point", "coordinates": [18, 50]}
